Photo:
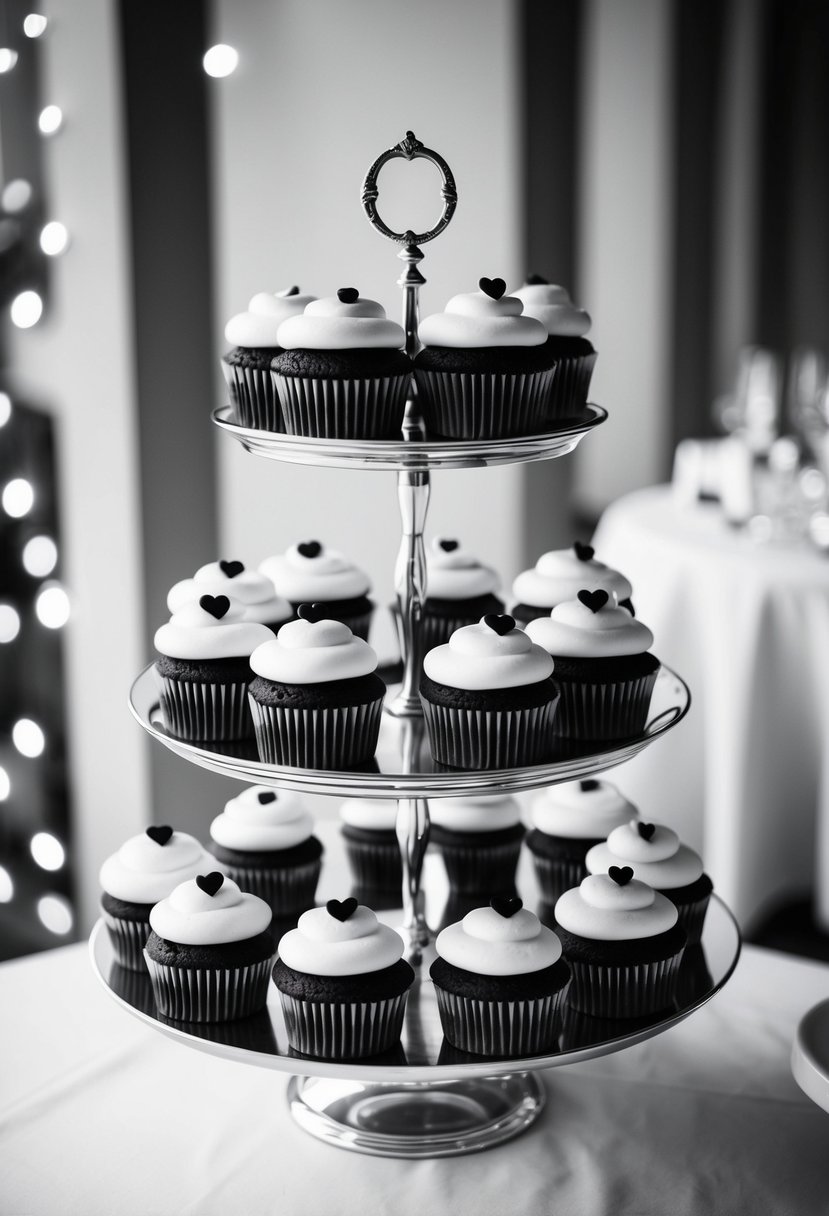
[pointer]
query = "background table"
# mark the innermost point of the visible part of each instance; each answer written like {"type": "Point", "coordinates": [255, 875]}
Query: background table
{"type": "Point", "coordinates": [746, 779]}
{"type": "Point", "coordinates": [102, 1116]}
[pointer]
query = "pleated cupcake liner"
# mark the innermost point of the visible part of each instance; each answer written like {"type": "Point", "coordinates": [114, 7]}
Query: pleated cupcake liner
{"type": "Point", "coordinates": [370, 408]}
{"type": "Point", "coordinates": [691, 916]}
{"type": "Point", "coordinates": [334, 1030]}
{"type": "Point", "coordinates": [377, 866]}
{"type": "Point", "coordinates": [617, 710]}
{"type": "Point", "coordinates": [287, 889]}
{"type": "Point", "coordinates": [128, 937]}
{"type": "Point", "coordinates": [633, 990]}
{"type": "Point", "coordinates": [252, 394]}
{"type": "Point", "coordinates": [335, 737]}
{"type": "Point", "coordinates": [487, 868]}
{"type": "Point", "coordinates": [209, 994]}
{"type": "Point", "coordinates": [484, 405]}
{"type": "Point", "coordinates": [477, 738]}
{"type": "Point", "coordinates": [570, 386]}
{"type": "Point", "coordinates": [555, 877]}
{"type": "Point", "coordinates": [212, 713]}
{"type": "Point", "coordinates": [435, 630]}
{"type": "Point", "coordinates": [501, 1028]}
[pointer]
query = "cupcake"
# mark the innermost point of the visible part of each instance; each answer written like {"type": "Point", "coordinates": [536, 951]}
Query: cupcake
{"type": "Point", "coordinates": [558, 576]}
{"type": "Point", "coordinates": [316, 699]}
{"type": "Point", "coordinates": [343, 373]}
{"type": "Point", "coordinates": [145, 869]}
{"type": "Point", "coordinates": [623, 943]}
{"type": "Point", "coordinates": [500, 981]}
{"type": "Point", "coordinates": [371, 845]}
{"type": "Point", "coordinates": [204, 671]}
{"type": "Point", "coordinates": [656, 856]}
{"type": "Point", "coordinates": [566, 327]}
{"type": "Point", "coordinates": [210, 952]}
{"type": "Point", "coordinates": [264, 841]}
{"type": "Point", "coordinates": [342, 982]}
{"type": "Point", "coordinates": [247, 367]}
{"type": "Point", "coordinates": [603, 669]}
{"type": "Point", "coordinates": [459, 591]}
{"type": "Point", "coordinates": [479, 840]}
{"type": "Point", "coordinates": [254, 591]}
{"type": "Point", "coordinates": [488, 697]}
{"type": "Point", "coordinates": [568, 820]}
{"type": "Point", "coordinates": [309, 573]}
{"type": "Point", "coordinates": [485, 371]}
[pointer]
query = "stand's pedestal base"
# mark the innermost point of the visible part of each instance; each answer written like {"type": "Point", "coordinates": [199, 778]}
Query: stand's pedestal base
{"type": "Point", "coordinates": [416, 1119]}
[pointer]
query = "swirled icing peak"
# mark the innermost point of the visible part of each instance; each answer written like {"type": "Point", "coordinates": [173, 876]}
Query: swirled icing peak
{"type": "Point", "coordinates": [652, 850]}
{"type": "Point", "coordinates": [482, 657]}
{"type": "Point", "coordinates": [590, 626]}
{"type": "Point", "coordinates": [309, 571]}
{"type": "Point", "coordinates": [322, 944]}
{"type": "Point", "coordinates": [213, 627]}
{"type": "Point", "coordinates": [148, 866]}
{"type": "Point", "coordinates": [253, 590]}
{"type": "Point", "coordinates": [491, 942]}
{"type": "Point", "coordinates": [492, 813]}
{"type": "Point", "coordinates": [453, 573]}
{"type": "Point", "coordinates": [313, 652]}
{"type": "Point", "coordinates": [371, 814]}
{"type": "Point", "coordinates": [581, 810]}
{"type": "Point", "coordinates": [266, 312]}
{"type": "Point", "coordinates": [261, 819]}
{"type": "Point", "coordinates": [560, 574]}
{"type": "Point", "coordinates": [604, 910]}
{"type": "Point", "coordinates": [480, 319]}
{"type": "Point", "coordinates": [207, 914]}
{"type": "Point", "coordinates": [342, 322]}
{"type": "Point", "coordinates": [552, 306]}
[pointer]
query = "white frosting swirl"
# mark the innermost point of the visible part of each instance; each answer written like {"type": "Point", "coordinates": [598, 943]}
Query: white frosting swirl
{"type": "Point", "coordinates": [489, 814]}
{"type": "Point", "coordinates": [602, 910]}
{"type": "Point", "coordinates": [251, 825]}
{"type": "Point", "coordinates": [372, 814]}
{"type": "Point", "coordinates": [568, 810]}
{"type": "Point", "coordinates": [143, 871]}
{"type": "Point", "coordinates": [487, 943]}
{"type": "Point", "coordinates": [313, 652]}
{"type": "Point", "coordinates": [253, 590]}
{"type": "Point", "coordinates": [323, 945]}
{"type": "Point", "coordinates": [662, 861]}
{"type": "Point", "coordinates": [329, 324]}
{"type": "Point", "coordinates": [552, 306]}
{"type": "Point", "coordinates": [476, 657]}
{"type": "Point", "coordinates": [266, 312]}
{"type": "Point", "coordinates": [475, 320]}
{"type": "Point", "coordinates": [193, 633]}
{"type": "Point", "coordinates": [193, 918]}
{"type": "Point", "coordinates": [309, 580]}
{"type": "Point", "coordinates": [560, 574]}
{"type": "Point", "coordinates": [456, 574]}
{"type": "Point", "coordinates": [573, 630]}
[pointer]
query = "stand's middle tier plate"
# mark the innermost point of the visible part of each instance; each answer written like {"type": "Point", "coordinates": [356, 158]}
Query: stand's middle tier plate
{"type": "Point", "coordinates": [403, 766]}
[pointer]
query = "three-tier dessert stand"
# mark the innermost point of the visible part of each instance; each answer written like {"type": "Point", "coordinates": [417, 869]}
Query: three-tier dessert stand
{"type": "Point", "coordinates": [425, 1099]}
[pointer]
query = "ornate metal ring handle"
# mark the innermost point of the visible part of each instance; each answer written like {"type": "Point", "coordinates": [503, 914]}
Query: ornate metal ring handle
{"type": "Point", "coordinates": [410, 148]}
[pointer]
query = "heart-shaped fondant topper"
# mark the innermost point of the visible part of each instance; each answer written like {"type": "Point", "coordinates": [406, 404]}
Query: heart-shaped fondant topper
{"type": "Point", "coordinates": [342, 909]}
{"type": "Point", "coordinates": [449, 546]}
{"type": "Point", "coordinates": [588, 785]}
{"type": "Point", "coordinates": [348, 295]}
{"type": "Point", "coordinates": [583, 552]}
{"type": "Point", "coordinates": [311, 612]}
{"type": "Point", "coordinates": [501, 625]}
{"type": "Point", "coordinates": [594, 600]}
{"type": "Point", "coordinates": [309, 548]}
{"type": "Point", "coordinates": [646, 830]}
{"type": "Point", "coordinates": [217, 605]}
{"type": "Point", "coordinates": [231, 569]}
{"type": "Point", "coordinates": [506, 905]}
{"type": "Point", "coordinates": [210, 883]}
{"type": "Point", "coordinates": [266, 796]}
{"type": "Point", "coordinates": [537, 280]}
{"type": "Point", "coordinates": [494, 288]}
{"type": "Point", "coordinates": [160, 834]}
{"type": "Point", "coordinates": [292, 291]}
{"type": "Point", "coordinates": [621, 875]}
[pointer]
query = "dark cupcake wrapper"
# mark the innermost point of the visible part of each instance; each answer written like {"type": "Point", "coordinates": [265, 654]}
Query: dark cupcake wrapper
{"type": "Point", "coordinates": [505, 738]}
{"type": "Point", "coordinates": [501, 1028]}
{"type": "Point", "coordinates": [370, 408]}
{"type": "Point", "coordinates": [252, 394]}
{"type": "Point", "coordinates": [617, 710]}
{"type": "Point", "coordinates": [333, 737]}
{"type": "Point", "coordinates": [484, 405]}
{"type": "Point", "coordinates": [128, 937]}
{"type": "Point", "coordinates": [209, 994]}
{"type": "Point", "coordinates": [633, 990]}
{"type": "Point", "coordinates": [285, 889]}
{"type": "Point", "coordinates": [377, 866]}
{"type": "Point", "coordinates": [555, 876]}
{"type": "Point", "coordinates": [481, 866]}
{"type": "Point", "coordinates": [436, 629]}
{"type": "Point", "coordinates": [333, 1030]}
{"type": "Point", "coordinates": [691, 916]}
{"type": "Point", "coordinates": [212, 713]}
{"type": "Point", "coordinates": [571, 385]}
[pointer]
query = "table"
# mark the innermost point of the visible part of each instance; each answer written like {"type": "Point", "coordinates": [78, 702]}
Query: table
{"type": "Point", "coordinates": [102, 1116]}
{"type": "Point", "coordinates": [746, 778]}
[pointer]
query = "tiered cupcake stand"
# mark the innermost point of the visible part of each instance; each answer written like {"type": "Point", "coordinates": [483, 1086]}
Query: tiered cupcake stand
{"type": "Point", "coordinates": [425, 1099]}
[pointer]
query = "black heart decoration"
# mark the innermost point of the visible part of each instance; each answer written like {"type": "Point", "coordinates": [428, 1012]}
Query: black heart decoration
{"type": "Point", "coordinates": [292, 291]}
{"type": "Point", "coordinates": [536, 280]}
{"type": "Point", "coordinates": [583, 552]}
{"type": "Point", "coordinates": [342, 909]}
{"type": "Point", "coordinates": [231, 569]}
{"type": "Point", "coordinates": [309, 548]}
{"type": "Point", "coordinates": [449, 546]}
{"type": "Point", "coordinates": [348, 295]}
{"type": "Point", "coordinates": [646, 830]}
{"type": "Point", "coordinates": [589, 785]}
{"type": "Point", "coordinates": [311, 612]}
{"type": "Point", "coordinates": [266, 796]}
{"type": "Point", "coordinates": [594, 600]}
{"type": "Point", "coordinates": [210, 883]}
{"type": "Point", "coordinates": [494, 288]}
{"type": "Point", "coordinates": [621, 875]}
{"type": "Point", "coordinates": [160, 834]}
{"type": "Point", "coordinates": [506, 905]}
{"type": "Point", "coordinates": [217, 605]}
{"type": "Point", "coordinates": [499, 624]}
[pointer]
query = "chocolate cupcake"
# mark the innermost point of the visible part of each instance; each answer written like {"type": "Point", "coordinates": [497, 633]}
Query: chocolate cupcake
{"type": "Point", "coordinates": [479, 840]}
{"type": "Point", "coordinates": [459, 591]}
{"type": "Point", "coordinates": [310, 573]}
{"type": "Point", "coordinates": [371, 845]}
{"type": "Point", "coordinates": [558, 576]}
{"type": "Point", "coordinates": [566, 327]}
{"type": "Point", "coordinates": [254, 591]}
{"type": "Point", "coordinates": [247, 367]}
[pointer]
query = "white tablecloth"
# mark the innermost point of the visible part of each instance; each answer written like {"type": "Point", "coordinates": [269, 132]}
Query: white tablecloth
{"type": "Point", "coordinates": [745, 779]}
{"type": "Point", "coordinates": [103, 1116]}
